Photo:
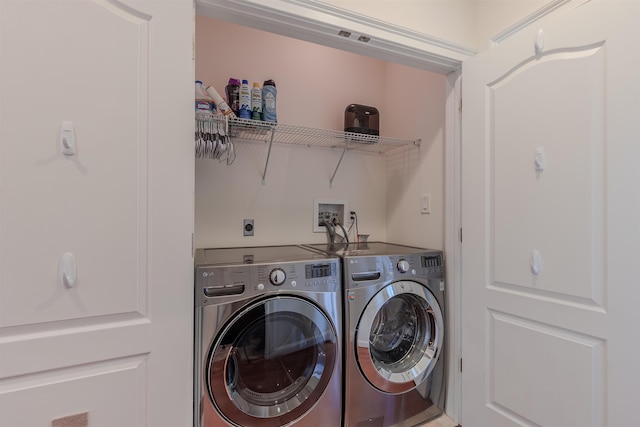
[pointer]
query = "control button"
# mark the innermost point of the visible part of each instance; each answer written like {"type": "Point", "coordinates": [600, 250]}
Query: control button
{"type": "Point", "coordinates": [277, 276]}
{"type": "Point", "coordinates": [260, 287]}
{"type": "Point", "coordinates": [293, 283]}
{"type": "Point", "coordinates": [403, 266]}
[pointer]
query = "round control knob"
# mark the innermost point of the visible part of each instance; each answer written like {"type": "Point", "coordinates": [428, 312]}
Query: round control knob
{"type": "Point", "coordinates": [260, 287]}
{"type": "Point", "coordinates": [277, 276]}
{"type": "Point", "coordinates": [403, 266]}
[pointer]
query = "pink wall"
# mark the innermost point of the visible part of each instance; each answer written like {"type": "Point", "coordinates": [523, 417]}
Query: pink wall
{"type": "Point", "coordinates": [315, 83]}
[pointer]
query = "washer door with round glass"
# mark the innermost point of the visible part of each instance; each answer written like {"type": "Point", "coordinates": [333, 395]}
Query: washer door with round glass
{"type": "Point", "coordinates": [271, 362]}
{"type": "Point", "coordinates": [399, 337]}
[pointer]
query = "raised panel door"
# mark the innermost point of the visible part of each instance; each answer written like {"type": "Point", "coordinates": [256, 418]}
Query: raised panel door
{"type": "Point", "coordinates": [551, 216]}
{"type": "Point", "coordinates": [115, 343]}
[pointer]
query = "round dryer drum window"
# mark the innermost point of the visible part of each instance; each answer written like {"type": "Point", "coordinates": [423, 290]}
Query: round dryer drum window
{"type": "Point", "coordinates": [272, 362]}
{"type": "Point", "coordinates": [399, 337]}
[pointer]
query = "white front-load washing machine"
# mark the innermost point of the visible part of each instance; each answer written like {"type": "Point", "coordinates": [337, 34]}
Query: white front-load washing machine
{"type": "Point", "coordinates": [394, 304]}
{"type": "Point", "coordinates": [268, 343]}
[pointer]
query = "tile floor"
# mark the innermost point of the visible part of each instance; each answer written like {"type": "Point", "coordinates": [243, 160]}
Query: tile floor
{"type": "Point", "coordinates": [442, 421]}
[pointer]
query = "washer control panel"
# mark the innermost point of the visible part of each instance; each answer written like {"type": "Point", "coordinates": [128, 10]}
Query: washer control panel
{"type": "Point", "coordinates": [222, 284]}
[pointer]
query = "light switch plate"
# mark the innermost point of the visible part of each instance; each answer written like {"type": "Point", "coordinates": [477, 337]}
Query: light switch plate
{"type": "Point", "coordinates": [425, 204]}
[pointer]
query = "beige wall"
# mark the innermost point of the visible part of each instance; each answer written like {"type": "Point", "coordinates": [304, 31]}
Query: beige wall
{"type": "Point", "coordinates": [451, 20]}
{"type": "Point", "coordinates": [469, 23]}
{"type": "Point", "coordinates": [494, 16]}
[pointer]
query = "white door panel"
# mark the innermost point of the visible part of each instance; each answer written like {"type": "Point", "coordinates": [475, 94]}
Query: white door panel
{"type": "Point", "coordinates": [514, 342]}
{"type": "Point", "coordinates": [531, 208]}
{"type": "Point", "coordinates": [58, 203]}
{"type": "Point", "coordinates": [118, 343]}
{"type": "Point", "coordinates": [548, 281]}
{"type": "Point", "coordinates": [89, 388]}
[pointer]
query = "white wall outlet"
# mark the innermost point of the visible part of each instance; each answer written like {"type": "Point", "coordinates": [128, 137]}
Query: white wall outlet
{"type": "Point", "coordinates": [329, 210]}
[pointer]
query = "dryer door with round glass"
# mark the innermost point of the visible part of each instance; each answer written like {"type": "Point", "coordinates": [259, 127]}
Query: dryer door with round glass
{"type": "Point", "coordinates": [399, 337]}
{"type": "Point", "coordinates": [271, 362]}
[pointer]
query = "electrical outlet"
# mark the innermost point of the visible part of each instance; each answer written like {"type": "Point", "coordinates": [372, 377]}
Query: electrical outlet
{"type": "Point", "coordinates": [329, 210]}
{"type": "Point", "coordinates": [248, 227]}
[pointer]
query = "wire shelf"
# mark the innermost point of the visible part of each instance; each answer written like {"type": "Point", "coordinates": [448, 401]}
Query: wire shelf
{"type": "Point", "coordinates": [253, 130]}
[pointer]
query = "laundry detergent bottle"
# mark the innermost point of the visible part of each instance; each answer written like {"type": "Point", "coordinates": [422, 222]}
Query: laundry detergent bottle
{"type": "Point", "coordinates": [269, 95]}
{"type": "Point", "coordinates": [232, 91]}
{"type": "Point", "coordinates": [245, 100]}
{"type": "Point", "coordinates": [204, 102]}
{"type": "Point", "coordinates": [256, 102]}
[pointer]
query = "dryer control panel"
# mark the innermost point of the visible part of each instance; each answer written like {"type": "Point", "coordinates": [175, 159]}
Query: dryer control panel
{"type": "Point", "coordinates": [428, 266]}
{"type": "Point", "coordinates": [367, 270]}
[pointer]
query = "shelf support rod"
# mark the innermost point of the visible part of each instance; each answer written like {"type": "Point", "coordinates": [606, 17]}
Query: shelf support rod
{"type": "Point", "coordinates": [346, 145]}
{"type": "Point", "coordinates": [266, 163]}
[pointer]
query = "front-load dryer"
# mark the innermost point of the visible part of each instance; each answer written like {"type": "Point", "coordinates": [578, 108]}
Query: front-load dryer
{"type": "Point", "coordinates": [268, 323]}
{"type": "Point", "coordinates": [394, 304]}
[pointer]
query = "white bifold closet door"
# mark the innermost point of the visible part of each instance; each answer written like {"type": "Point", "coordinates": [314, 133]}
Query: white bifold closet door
{"type": "Point", "coordinates": [96, 169]}
{"type": "Point", "coordinates": [551, 223]}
